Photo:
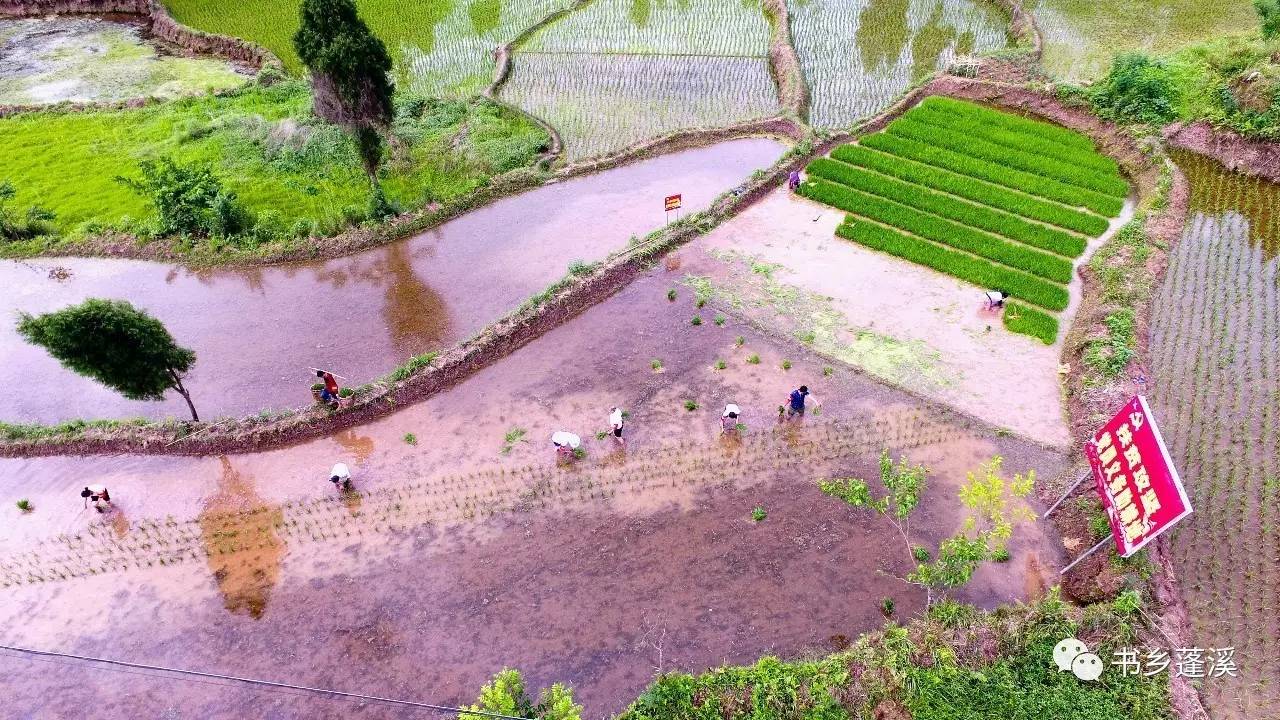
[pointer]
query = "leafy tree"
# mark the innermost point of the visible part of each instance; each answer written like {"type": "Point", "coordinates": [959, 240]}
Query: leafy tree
{"type": "Point", "coordinates": [993, 511]}
{"type": "Point", "coordinates": [1137, 89]}
{"type": "Point", "coordinates": [1269, 14]}
{"type": "Point", "coordinates": [506, 695]}
{"type": "Point", "coordinates": [350, 80]}
{"type": "Point", "coordinates": [189, 199]}
{"type": "Point", "coordinates": [116, 344]}
{"type": "Point", "coordinates": [36, 221]}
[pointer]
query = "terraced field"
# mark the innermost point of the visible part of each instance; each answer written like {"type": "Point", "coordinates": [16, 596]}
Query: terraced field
{"type": "Point", "coordinates": [620, 71]}
{"type": "Point", "coordinates": [1215, 342]}
{"type": "Point", "coordinates": [858, 56]}
{"type": "Point", "coordinates": [991, 198]}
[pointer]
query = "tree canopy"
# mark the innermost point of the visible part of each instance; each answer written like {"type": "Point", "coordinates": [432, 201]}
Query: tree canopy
{"type": "Point", "coordinates": [115, 344]}
{"type": "Point", "coordinates": [350, 68]}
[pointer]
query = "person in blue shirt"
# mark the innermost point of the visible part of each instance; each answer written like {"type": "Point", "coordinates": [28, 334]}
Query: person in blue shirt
{"type": "Point", "coordinates": [796, 402]}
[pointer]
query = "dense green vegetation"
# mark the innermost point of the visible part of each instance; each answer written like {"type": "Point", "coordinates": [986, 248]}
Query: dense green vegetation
{"type": "Point", "coordinates": [935, 668]}
{"type": "Point", "coordinates": [296, 175]}
{"type": "Point", "coordinates": [996, 199]}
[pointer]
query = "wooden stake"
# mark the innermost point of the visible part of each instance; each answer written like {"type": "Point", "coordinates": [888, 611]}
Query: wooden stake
{"type": "Point", "coordinates": [1086, 554]}
{"type": "Point", "coordinates": [331, 373]}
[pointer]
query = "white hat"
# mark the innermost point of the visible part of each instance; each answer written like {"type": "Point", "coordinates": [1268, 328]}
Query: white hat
{"type": "Point", "coordinates": [566, 438]}
{"type": "Point", "coordinates": [340, 470]}
{"type": "Point", "coordinates": [731, 408]}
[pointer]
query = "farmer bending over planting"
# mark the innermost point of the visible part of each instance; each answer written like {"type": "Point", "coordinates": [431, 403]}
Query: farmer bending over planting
{"type": "Point", "coordinates": [995, 298]}
{"type": "Point", "coordinates": [329, 393]}
{"type": "Point", "coordinates": [565, 443]}
{"type": "Point", "coordinates": [340, 476]}
{"type": "Point", "coordinates": [98, 495]}
{"type": "Point", "coordinates": [729, 419]}
{"type": "Point", "coordinates": [616, 422]}
{"type": "Point", "coordinates": [795, 402]}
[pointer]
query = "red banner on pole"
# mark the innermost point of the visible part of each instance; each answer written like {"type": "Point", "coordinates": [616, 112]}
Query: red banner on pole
{"type": "Point", "coordinates": [672, 202]}
{"type": "Point", "coordinates": [1135, 476]}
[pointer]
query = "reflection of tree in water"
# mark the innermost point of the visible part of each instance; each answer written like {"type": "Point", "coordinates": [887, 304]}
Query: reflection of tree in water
{"type": "Point", "coordinates": [882, 33]}
{"type": "Point", "coordinates": [929, 43]}
{"type": "Point", "coordinates": [414, 313]}
{"type": "Point", "coordinates": [239, 533]}
{"type": "Point", "coordinates": [1216, 191]}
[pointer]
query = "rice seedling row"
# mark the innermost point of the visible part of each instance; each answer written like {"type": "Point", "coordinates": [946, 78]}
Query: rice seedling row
{"type": "Point", "coordinates": [1215, 350]}
{"type": "Point", "coordinates": [955, 263]}
{"type": "Point", "coordinates": [858, 57]}
{"type": "Point", "coordinates": [1009, 121]}
{"type": "Point", "coordinates": [950, 207]}
{"type": "Point", "coordinates": [1107, 184]}
{"type": "Point", "coordinates": [945, 232]}
{"type": "Point", "coordinates": [970, 188]}
{"type": "Point", "coordinates": [1024, 319]}
{"type": "Point", "coordinates": [995, 172]}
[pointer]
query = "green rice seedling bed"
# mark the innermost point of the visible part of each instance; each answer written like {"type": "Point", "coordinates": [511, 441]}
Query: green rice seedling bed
{"type": "Point", "coordinates": [1008, 121]}
{"type": "Point", "coordinates": [955, 263]}
{"type": "Point", "coordinates": [1024, 319]}
{"type": "Point", "coordinates": [1027, 162]}
{"type": "Point", "coordinates": [979, 216]}
{"type": "Point", "coordinates": [995, 196]}
{"type": "Point", "coordinates": [1018, 141]}
{"type": "Point", "coordinates": [858, 56]}
{"type": "Point", "coordinates": [995, 173]}
{"type": "Point", "coordinates": [931, 227]}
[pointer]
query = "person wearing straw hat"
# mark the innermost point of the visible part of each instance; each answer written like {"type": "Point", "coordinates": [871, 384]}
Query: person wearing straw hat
{"type": "Point", "coordinates": [340, 476]}
{"type": "Point", "coordinates": [565, 442]}
{"type": "Point", "coordinates": [616, 423]}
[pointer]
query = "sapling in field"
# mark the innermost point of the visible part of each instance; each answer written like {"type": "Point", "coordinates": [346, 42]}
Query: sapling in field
{"type": "Point", "coordinates": [994, 506]}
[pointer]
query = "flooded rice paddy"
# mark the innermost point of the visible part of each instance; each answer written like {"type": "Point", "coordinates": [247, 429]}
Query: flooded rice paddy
{"type": "Point", "coordinates": [256, 331]}
{"type": "Point", "coordinates": [472, 550]}
{"type": "Point", "coordinates": [1215, 381]}
{"type": "Point", "coordinates": [96, 59]}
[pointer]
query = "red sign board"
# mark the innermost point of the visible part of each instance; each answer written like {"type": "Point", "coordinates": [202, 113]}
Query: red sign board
{"type": "Point", "coordinates": [672, 202]}
{"type": "Point", "coordinates": [1134, 474]}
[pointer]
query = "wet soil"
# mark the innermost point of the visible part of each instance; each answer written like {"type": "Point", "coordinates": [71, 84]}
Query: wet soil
{"type": "Point", "coordinates": [255, 331]}
{"type": "Point", "coordinates": [457, 559]}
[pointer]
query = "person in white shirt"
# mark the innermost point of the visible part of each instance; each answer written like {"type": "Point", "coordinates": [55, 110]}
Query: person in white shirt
{"type": "Point", "coordinates": [616, 423]}
{"type": "Point", "coordinates": [565, 442]}
{"type": "Point", "coordinates": [995, 298]}
{"type": "Point", "coordinates": [340, 476]}
{"type": "Point", "coordinates": [729, 418]}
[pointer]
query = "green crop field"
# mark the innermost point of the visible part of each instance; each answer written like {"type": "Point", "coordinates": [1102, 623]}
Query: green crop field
{"type": "Point", "coordinates": [992, 198]}
{"type": "Point", "coordinates": [857, 57]}
{"type": "Point", "coordinates": [620, 71]}
{"type": "Point", "coordinates": [441, 47]}
{"type": "Point", "coordinates": [265, 145]}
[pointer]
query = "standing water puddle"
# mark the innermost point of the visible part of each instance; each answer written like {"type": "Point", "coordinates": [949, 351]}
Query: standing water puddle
{"type": "Point", "coordinates": [255, 331]}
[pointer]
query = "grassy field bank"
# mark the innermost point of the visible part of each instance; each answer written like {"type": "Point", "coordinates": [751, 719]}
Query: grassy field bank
{"type": "Point", "coordinates": [300, 176]}
{"type": "Point", "coordinates": [992, 198]}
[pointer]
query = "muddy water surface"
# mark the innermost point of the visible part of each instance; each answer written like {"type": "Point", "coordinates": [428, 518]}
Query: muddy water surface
{"type": "Point", "coordinates": [460, 557]}
{"type": "Point", "coordinates": [255, 331]}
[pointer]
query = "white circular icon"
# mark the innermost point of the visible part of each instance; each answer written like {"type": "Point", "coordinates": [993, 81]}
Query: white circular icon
{"type": "Point", "coordinates": [1087, 666]}
{"type": "Point", "coordinates": [1066, 651]}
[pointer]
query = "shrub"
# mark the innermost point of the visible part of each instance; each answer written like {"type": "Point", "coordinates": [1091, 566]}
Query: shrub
{"type": "Point", "coordinates": [35, 222]}
{"type": "Point", "coordinates": [189, 199]}
{"type": "Point", "coordinates": [1110, 354]}
{"type": "Point", "coordinates": [966, 267]}
{"type": "Point", "coordinates": [1137, 89]}
{"type": "Point", "coordinates": [941, 231]}
{"type": "Point", "coordinates": [945, 206]}
{"type": "Point", "coordinates": [1027, 320]}
{"type": "Point", "coordinates": [1001, 555]}
{"type": "Point", "coordinates": [1269, 15]}
{"type": "Point", "coordinates": [921, 554]}
{"type": "Point", "coordinates": [1105, 183]}
{"type": "Point", "coordinates": [993, 172]}
{"type": "Point", "coordinates": [963, 186]}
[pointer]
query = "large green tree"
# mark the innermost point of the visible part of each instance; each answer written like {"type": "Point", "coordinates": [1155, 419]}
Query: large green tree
{"type": "Point", "coordinates": [116, 344]}
{"type": "Point", "coordinates": [350, 74]}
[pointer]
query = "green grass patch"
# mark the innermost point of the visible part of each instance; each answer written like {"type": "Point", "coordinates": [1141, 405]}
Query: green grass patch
{"type": "Point", "coordinates": [930, 227]}
{"type": "Point", "coordinates": [301, 177]}
{"type": "Point", "coordinates": [994, 172]}
{"type": "Point", "coordinates": [946, 206]}
{"type": "Point", "coordinates": [1107, 184]}
{"type": "Point", "coordinates": [957, 264]}
{"type": "Point", "coordinates": [1022, 318]}
{"type": "Point", "coordinates": [995, 196]}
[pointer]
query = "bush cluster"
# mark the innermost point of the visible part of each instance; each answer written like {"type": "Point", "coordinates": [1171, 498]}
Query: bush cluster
{"type": "Point", "coordinates": [14, 226]}
{"type": "Point", "coordinates": [938, 230]}
{"type": "Point", "coordinates": [966, 187]}
{"type": "Point", "coordinates": [995, 172]}
{"type": "Point", "coordinates": [942, 205]}
{"type": "Point", "coordinates": [955, 263]}
{"type": "Point", "coordinates": [1009, 121]}
{"type": "Point", "coordinates": [1139, 89]}
{"type": "Point", "coordinates": [1105, 183]}
{"type": "Point", "coordinates": [1021, 318]}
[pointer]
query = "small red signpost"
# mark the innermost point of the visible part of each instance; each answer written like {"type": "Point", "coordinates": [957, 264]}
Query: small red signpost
{"type": "Point", "coordinates": [1136, 479]}
{"type": "Point", "coordinates": [672, 202]}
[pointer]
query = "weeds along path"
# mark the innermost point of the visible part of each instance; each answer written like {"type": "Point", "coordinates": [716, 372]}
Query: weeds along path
{"type": "Point", "coordinates": [647, 479]}
{"type": "Point", "coordinates": [1216, 380]}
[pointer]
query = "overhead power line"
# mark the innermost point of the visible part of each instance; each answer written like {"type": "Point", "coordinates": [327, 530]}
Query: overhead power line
{"type": "Point", "coordinates": [119, 664]}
